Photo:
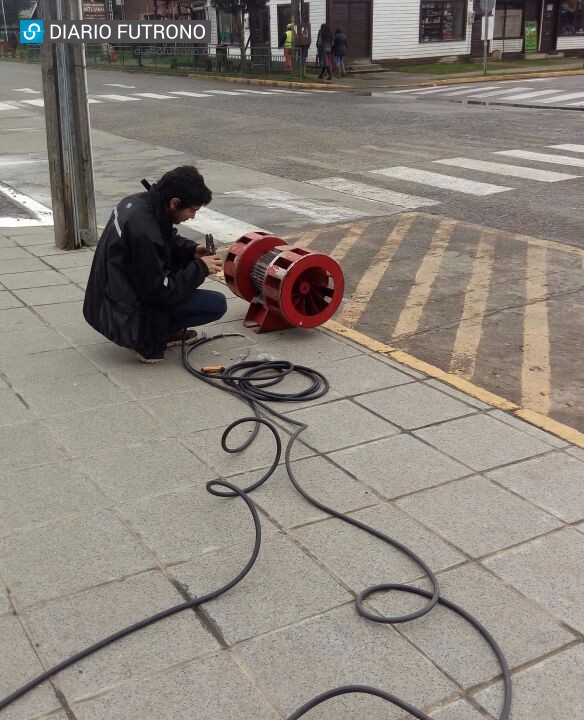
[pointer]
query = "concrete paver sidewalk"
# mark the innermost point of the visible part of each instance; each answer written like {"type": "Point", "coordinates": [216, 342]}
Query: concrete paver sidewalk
{"type": "Point", "coordinates": [104, 519]}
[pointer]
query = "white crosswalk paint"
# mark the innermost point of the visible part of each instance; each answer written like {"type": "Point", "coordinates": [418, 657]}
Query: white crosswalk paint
{"type": "Point", "coordinates": [28, 90]}
{"type": "Point", "coordinates": [370, 192]}
{"type": "Point", "coordinates": [42, 215]}
{"type": "Point", "coordinates": [543, 157]}
{"type": "Point", "coordinates": [519, 171]}
{"type": "Point", "coordinates": [568, 148]}
{"type": "Point", "coordinates": [224, 228]}
{"type": "Point", "coordinates": [93, 101]}
{"type": "Point", "coordinates": [288, 92]}
{"type": "Point", "coordinates": [255, 92]}
{"type": "Point", "coordinates": [527, 95]}
{"type": "Point", "coordinates": [38, 102]}
{"type": "Point", "coordinates": [131, 87]}
{"type": "Point", "coordinates": [561, 98]}
{"type": "Point", "coordinates": [7, 106]}
{"type": "Point", "coordinates": [155, 96]}
{"type": "Point", "coordinates": [448, 182]}
{"type": "Point", "coordinates": [402, 92]}
{"type": "Point", "coordinates": [470, 90]}
{"type": "Point", "coordinates": [223, 92]}
{"type": "Point", "coordinates": [119, 98]}
{"type": "Point", "coordinates": [184, 93]}
{"type": "Point", "coordinates": [494, 93]}
{"type": "Point", "coordinates": [321, 212]}
{"type": "Point", "coordinates": [432, 91]}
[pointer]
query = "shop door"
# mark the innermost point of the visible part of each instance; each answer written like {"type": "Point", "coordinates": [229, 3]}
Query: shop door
{"type": "Point", "coordinates": [355, 17]}
{"type": "Point", "coordinates": [549, 26]}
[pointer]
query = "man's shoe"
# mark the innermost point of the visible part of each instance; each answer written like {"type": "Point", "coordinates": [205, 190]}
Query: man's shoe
{"type": "Point", "coordinates": [176, 338]}
{"type": "Point", "coordinates": [147, 360]}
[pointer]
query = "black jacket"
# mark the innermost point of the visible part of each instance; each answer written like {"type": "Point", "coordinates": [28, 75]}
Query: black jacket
{"type": "Point", "coordinates": [142, 267]}
{"type": "Point", "coordinates": [340, 44]}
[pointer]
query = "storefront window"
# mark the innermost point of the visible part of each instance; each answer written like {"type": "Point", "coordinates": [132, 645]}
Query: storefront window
{"type": "Point", "coordinates": [227, 29]}
{"type": "Point", "coordinates": [442, 21]}
{"type": "Point", "coordinates": [508, 21]}
{"type": "Point", "coordinates": [572, 17]}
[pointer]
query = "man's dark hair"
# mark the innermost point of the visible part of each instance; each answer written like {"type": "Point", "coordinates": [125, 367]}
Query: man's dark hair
{"type": "Point", "coordinates": [185, 183]}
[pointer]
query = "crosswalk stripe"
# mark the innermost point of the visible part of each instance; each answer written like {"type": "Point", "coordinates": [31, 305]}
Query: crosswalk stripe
{"type": "Point", "coordinates": [411, 314]}
{"type": "Point", "coordinates": [519, 171]}
{"type": "Point", "coordinates": [38, 102]}
{"type": "Point", "coordinates": [370, 192]}
{"type": "Point", "coordinates": [28, 90]}
{"type": "Point", "coordinates": [568, 148]}
{"type": "Point", "coordinates": [527, 95]}
{"type": "Point", "coordinates": [469, 90]}
{"type": "Point", "coordinates": [351, 312]}
{"type": "Point", "coordinates": [320, 212]}
{"type": "Point", "coordinates": [119, 98]}
{"type": "Point", "coordinates": [225, 228]}
{"type": "Point", "coordinates": [494, 93]}
{"type": "Point", "coordinates": [535, 371]}
{"type": "Point", "coordinates": [448, 182]}
{"type": "Point", "coordinates": [7, 106]}
{"type": "Point", "coordinates": [223, 92]}
{"type": "Point", "coordinates": [470, 330]}
{"type": "Point", "coordinates": [255, 92]}
{"type": "Point", "coordinates": [93, 101]}
{"type": "Point", "coordinates": [287, 92]}
{"type": "Point", "coordinates": [543, 157]}
{"type": "Point", "coordinates": [402, 92]}
{"type": "Point", "coordinates": [155, 96]}
{"type": "Point", "coordinates": [561, 98]}
{"type": "Point", "coordinates": [432, 91]}
{"type": "Point", "coordinates": [186, 94]}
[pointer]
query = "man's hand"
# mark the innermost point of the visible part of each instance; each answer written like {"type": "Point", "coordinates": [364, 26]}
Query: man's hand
{"type": "Point", "coordinates": [214, 263]}
{"type": "Point", "coordinates": [200, 252]}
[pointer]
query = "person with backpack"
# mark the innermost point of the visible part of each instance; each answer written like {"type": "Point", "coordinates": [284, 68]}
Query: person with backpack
{"type": "Point", "coordinates": [324, 46]}
{"type": "Point", "coordinates": [340, 51]}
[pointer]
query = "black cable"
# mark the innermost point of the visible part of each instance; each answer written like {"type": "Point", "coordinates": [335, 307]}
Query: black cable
{"type": "Point", "coordinates": [250, 382]}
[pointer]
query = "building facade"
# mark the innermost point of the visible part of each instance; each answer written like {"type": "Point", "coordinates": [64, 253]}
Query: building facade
{"type": "Point", "coordinates": [395, 30]}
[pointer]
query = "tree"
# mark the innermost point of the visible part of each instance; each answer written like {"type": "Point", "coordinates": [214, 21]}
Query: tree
{"type": "Point", "coordinates": [13, 8]}
{"type": "Point", "coordinates": [239, 9]}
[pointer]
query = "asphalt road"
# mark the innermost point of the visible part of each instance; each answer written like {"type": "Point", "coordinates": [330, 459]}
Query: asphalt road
{"type": "Point", "coordinates": [458, 225]}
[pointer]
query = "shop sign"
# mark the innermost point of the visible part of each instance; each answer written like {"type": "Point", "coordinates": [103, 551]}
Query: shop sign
{"type": "Point", "coordinates": [530, 36]}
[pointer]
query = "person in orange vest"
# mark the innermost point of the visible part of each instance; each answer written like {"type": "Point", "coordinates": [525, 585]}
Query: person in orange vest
{"type": "Point", "coordinates": [288, 41]}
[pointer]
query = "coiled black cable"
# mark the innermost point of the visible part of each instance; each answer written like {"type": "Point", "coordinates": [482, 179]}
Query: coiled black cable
{"type": "Point", "coordinates": [250, 381]}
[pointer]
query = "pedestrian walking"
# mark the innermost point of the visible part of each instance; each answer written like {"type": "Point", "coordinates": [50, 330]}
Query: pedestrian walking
{"type": "Point", "coordinates": [143, 290]}
{"type": "Point", "coordinates": [324, 46]}
{"type": "Point", "coordinates": [340, 51]}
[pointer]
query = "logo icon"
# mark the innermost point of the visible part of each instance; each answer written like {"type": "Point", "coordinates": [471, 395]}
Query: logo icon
{"type": "Point", "coordinates": [32, 31]}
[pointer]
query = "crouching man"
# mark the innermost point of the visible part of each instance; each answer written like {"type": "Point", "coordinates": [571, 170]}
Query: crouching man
{"type": "Point", "coordinates": [143, 289]}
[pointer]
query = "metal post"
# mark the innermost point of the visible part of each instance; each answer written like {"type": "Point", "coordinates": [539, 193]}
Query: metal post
{"type": "Point", "coordinates": [68, 132]}
{"type": "Point", "coordinates": [485, 54]}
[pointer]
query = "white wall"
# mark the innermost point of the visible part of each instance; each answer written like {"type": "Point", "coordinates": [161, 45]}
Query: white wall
{"type": "Point", "coordinates": [396, 33]}
{"type": "Point", "coordinates": [317, 17]}
{"type": "Point", "coordinates": [512, 45]}
{"type": "Point", "coordinates": [575, 42]}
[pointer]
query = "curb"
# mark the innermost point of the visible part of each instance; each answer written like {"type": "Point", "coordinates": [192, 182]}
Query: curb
{"type": "Point", "coordinates": [294, 85]}
{"type": "Point", "coordinates": [482, 79]}
{"type": "Point", "coordinates": [543, 422]}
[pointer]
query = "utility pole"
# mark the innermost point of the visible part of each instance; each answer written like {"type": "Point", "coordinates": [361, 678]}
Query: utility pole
{"type": "Point", "coordinates": [4, 16]}
{"type": "Point", "coordinates": [68, 132]}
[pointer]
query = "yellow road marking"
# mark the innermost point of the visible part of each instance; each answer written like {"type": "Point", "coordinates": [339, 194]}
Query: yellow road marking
{"type": "Point", "coordinates": [531, 416]}
{"type": "Point", "coordinates": [372, 276]}
{"type": "Point", "coordinates": [535, 370]}
{"type": "Point", "coordinates": [468, 336]}
{"type": "Point", "coordinates": [411, 314]}
{"type": "Point", "coordinates": [343, 246]}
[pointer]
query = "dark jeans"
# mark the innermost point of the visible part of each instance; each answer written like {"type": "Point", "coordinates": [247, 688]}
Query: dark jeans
{"type": "Point", "coordinates": [200, 308]}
